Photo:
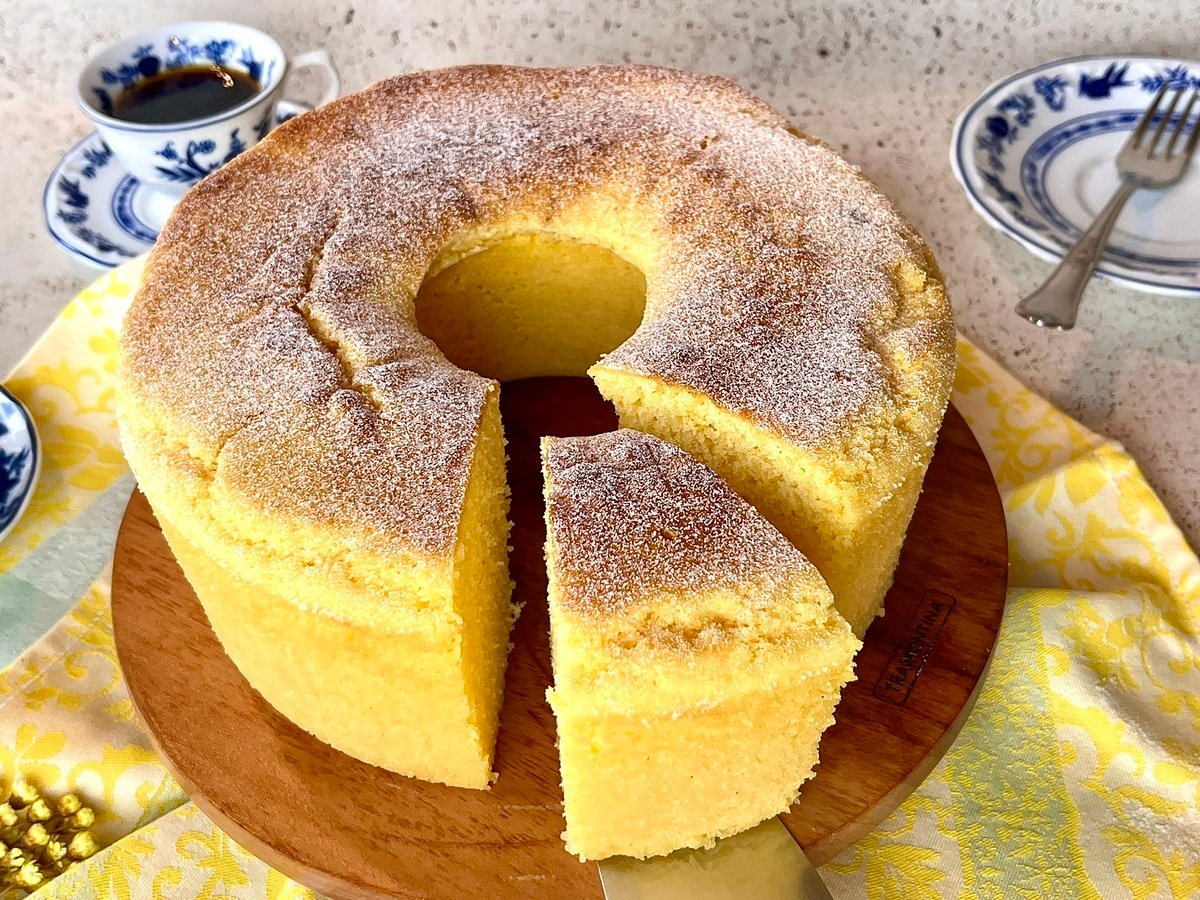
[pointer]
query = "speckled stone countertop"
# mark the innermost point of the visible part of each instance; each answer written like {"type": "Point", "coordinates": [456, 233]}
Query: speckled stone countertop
{"type": "Point", "coordinates": [882, 82]}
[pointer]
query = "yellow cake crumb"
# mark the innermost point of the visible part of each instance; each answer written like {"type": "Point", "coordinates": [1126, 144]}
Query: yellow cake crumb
{"type": "Point", "coordinates": [698, 656]}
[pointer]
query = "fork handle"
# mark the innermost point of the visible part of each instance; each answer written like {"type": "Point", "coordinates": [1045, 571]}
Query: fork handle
{"type": "Point", "coordinates": [1055, 303]}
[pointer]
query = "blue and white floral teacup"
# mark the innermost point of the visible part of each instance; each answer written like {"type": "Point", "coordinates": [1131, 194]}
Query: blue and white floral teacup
{"type": "Point", "coordinates": [171, 157]}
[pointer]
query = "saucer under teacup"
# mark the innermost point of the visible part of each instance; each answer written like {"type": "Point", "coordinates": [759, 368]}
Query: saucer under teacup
{"type": "Point", "coordinates": [1036, 155]}
{"type": "Point", "coordinates": [100, 214]}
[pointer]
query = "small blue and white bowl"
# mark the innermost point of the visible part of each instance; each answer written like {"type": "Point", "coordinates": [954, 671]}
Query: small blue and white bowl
{"type": "Point", "coordinates": [20, 460]}
{"type": "Point", "coordinates": [1036, 155]}
{"type": "Point", "coordinates": [171, 157]}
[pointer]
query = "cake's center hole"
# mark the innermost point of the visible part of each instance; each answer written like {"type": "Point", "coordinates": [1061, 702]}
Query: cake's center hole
{"type": "Point", "coordinates": [530, 305]}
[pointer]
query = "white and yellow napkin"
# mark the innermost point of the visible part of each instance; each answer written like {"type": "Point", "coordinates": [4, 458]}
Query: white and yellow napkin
{"type": "Point", "coordinates": [1077, 775]}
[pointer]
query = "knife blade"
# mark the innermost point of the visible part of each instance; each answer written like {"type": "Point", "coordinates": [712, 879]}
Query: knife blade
{"type": "Point", "coordinates": [764, 862]}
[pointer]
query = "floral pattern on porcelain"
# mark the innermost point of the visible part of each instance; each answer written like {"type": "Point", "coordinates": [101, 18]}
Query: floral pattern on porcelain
{"type": "Point", "coordinates": [20, 459]}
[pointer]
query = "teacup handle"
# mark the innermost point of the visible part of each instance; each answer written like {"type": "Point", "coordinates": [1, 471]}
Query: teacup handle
{"type": "Point", "coordinates": [319, 59]}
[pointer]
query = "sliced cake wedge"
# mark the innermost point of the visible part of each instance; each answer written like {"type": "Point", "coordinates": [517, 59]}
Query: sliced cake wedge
{"type": "Point", "coordinates": [698, 656]}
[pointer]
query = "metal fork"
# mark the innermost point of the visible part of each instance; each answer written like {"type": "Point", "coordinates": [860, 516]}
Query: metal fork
{"type": "Point", "coordinates": [1056, 302]}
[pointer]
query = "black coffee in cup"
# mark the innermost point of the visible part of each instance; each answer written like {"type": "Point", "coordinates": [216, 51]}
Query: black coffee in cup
{"type": "Point", "coordinates": [184, 94]}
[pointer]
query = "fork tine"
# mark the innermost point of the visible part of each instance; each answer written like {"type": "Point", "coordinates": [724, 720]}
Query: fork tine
{"type": "Point", "coordinates": [1162, 123]}
{"type": "Point", "coordinates": [1135, 139]}
{"type": "Point", "coordinates": [1182, 127]}
{"type": "Point", "coordinates": [1193, 140]}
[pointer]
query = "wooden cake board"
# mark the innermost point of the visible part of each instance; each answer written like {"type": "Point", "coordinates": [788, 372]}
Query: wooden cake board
{"type": "Point", "coordinates": [346, 828]}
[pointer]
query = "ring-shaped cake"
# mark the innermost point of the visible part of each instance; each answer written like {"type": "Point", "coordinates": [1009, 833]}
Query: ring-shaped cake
{"type": "Point", "coordinates": [333, 485]}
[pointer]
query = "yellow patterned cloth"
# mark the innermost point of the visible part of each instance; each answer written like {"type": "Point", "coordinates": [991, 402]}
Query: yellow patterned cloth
{"type": "Point", "coordinates": [1077, 775]}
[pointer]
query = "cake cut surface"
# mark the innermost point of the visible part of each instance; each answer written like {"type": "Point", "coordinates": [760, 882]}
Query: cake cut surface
{"type": "Point", "coordinates": [698, 656]}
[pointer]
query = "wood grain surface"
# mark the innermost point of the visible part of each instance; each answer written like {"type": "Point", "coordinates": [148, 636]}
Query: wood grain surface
{"type": "Point", "coordinates": [349, 829]}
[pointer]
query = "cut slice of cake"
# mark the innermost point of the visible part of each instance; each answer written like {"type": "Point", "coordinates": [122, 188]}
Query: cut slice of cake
{"type": "Point", "coordinates": [697, 654]}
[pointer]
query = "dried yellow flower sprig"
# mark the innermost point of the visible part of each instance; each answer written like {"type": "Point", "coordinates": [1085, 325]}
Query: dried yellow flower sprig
{"type": "Point", "coordinates": [39, 840]}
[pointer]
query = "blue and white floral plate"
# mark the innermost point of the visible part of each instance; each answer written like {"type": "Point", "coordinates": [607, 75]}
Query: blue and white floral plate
{"type": "Point", "coordinates": [99, 213]}
{"type": "Point", "coordinates": [20, 460]}
{"type": "Point", "coordinates": [1037, 153]}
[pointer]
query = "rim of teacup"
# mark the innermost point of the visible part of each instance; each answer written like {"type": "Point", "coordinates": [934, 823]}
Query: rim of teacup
{"type": "Point", "coordinates": [89, 77]}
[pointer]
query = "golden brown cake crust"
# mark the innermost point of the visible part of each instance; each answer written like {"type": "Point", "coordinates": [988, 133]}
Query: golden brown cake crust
{"type": "Point", "coordinates": [279, 297]}
{"type": "Point", "coordinates": [634, 516]}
